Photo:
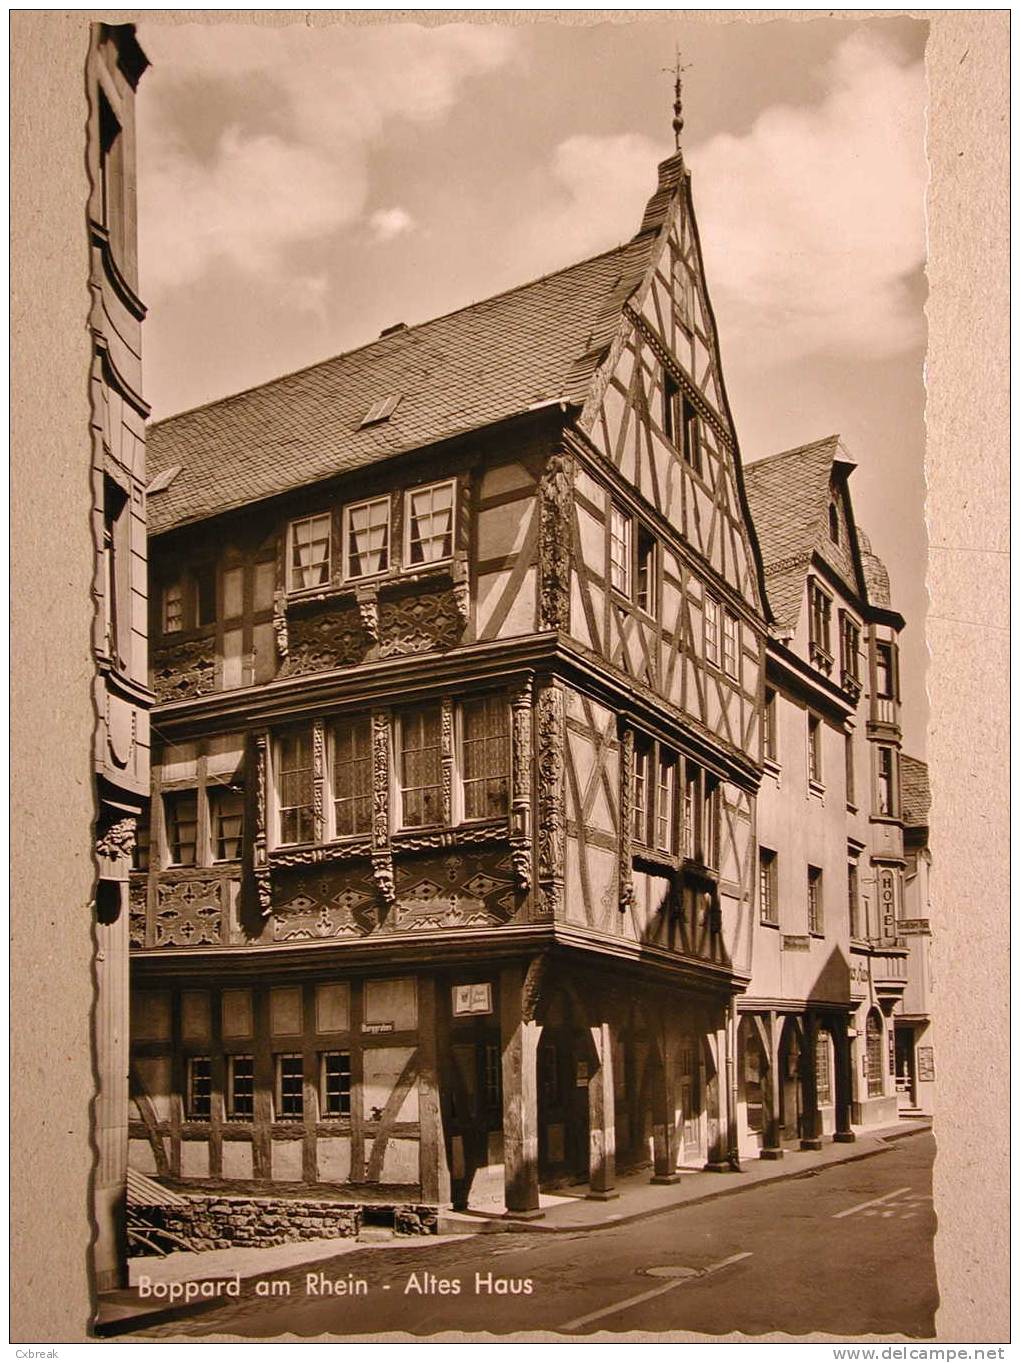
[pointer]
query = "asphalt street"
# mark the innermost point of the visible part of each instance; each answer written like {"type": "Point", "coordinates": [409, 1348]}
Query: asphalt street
{"type": "Point", "coordinates": [847, 1250]}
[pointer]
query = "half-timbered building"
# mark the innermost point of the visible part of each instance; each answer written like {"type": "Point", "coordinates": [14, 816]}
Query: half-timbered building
{"type": "Point", "coordinates": [458, 647]}
{"type": "Point", "coordinates": [831, 962]}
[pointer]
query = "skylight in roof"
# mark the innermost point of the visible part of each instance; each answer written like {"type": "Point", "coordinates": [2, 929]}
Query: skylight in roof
{"type": "Point", "coordinates": [380, 410]}
{"type": "Point", "coordinates": [163, 480]}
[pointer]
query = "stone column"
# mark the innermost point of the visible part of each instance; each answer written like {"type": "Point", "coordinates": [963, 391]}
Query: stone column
{"type": "Point", "coordinates": [519, 1037]}
{"type": "Point", "coordinates": [844, 1083]}
{"type": "Point", "coordinates": [811, 1118]}
{"type": "Point", "coordinates": [434, 1171]}
{"type": "Point", "coordinates": [717, 1106]}
{"type": "Point", "coordinates": [665, 1134]}
{"type": "Point", "coordinates": [773, 1146]}
{"type": "Point", "coordinates": [602, 1118]}
{"type": "Point", "coordinates": [110, 1024]}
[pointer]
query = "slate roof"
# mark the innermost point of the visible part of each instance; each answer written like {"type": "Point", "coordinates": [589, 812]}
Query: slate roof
{"type": "Point", "coordinates": [481, 364]}
{"type": "Point", "coordinates": [788, 495]}
{"type": "Point", "coordinates": [915, 792]}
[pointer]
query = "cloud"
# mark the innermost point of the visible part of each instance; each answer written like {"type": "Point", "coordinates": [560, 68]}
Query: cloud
{"type": "Point", "coordinates": [387, 223]}
{"type": "Point", "coordinates": [811, 223]}
{"type": "Point", "coordinates": [295, 168]}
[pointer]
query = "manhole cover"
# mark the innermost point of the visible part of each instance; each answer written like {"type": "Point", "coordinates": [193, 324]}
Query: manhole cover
{"type": "Point", "coordinates": [671, 1271]}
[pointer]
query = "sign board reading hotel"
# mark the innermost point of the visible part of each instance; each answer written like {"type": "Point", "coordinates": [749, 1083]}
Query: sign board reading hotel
{"type": "Point", "coordinates": [887, 901]}
{"type": "Point", "coordinates": [471, 998]}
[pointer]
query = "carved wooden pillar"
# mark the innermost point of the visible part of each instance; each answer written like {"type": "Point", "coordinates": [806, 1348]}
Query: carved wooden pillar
{"type": "Point", "coordinates": [811, 1118]}
{"type": "Point", "coordinates": [519, 1037]}
{"type": "Point", "coordinates": [446, 759]}
{"type": "Point", "coordinates": [260, 844]}
{"type": "Point", "coordinates": [602, 1118]}
{"type": "Point", "coordinates": [626, 872]}
{"type": "Point", "coordinates": [382, 850]}
{"type": "Point", "coordinates": [520, 777]}
{"type": "Point", "coordinates": [551, 821]}
{"type": "Point", "coordinates": [556, 492]}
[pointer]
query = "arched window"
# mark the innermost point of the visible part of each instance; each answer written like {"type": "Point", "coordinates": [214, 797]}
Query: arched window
{"type": "Point", "coordinates": [873, 1034]}
{"type": "Point", "coordinates": [833, 523]}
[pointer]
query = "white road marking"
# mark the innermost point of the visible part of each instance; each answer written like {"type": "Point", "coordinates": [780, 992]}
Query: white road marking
{"type": "Point", "coordinates": [875, 1201]}
{"type": "Point", "coordinates": [652, 1292]}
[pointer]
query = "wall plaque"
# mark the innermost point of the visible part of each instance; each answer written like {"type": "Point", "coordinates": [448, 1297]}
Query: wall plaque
{"type": "Point", "coordinates": [925, 1064]}
{"type": "Point", "coordinates": [471, 998]}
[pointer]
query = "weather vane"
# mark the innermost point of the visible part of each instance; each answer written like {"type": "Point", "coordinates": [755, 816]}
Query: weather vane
{"type": "Point", "coordinates": [677, 72]}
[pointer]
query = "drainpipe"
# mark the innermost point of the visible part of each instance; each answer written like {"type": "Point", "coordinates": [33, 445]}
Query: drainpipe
{"type": "Point", "coordinates": [732, 1139]}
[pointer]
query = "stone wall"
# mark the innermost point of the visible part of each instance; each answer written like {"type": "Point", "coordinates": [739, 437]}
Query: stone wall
{"type": "Point", "coordinates": [216, 1222]}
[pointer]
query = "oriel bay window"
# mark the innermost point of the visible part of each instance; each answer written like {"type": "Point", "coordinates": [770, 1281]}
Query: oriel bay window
{"type": "Point", "coordinates": [352, 776]}
{"type": "Point", "coordinates": [309, 553]}
{"type": "Point", "coordinates": [485, 757]}
{"type": "Point", "coordinates": [429, 512]}
{"type": "Point", "coordinates": [420, 767]}
{"type": "Point", "coordinates": [886, 777]}
{"type": "Point", "coordinates": [294, 785]}
{"type": "Point", "coordinates": [367, 538]}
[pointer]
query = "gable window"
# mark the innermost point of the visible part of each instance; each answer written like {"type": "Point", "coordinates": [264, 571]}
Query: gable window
{"type": "Point", "coordinates": [352, 776]}
{"type": "Point", "coordinates": [619, 550]}
{"type": "Point", "coordinates": [335, 1092]}
{"type": "Point", "coordinates": [814, 749]}
{"type": "Point", "coordinates": [420, 767]}
{"type": "Point", "coordinates": [367, 538]}
{"type": "Point", "coordinates": [691, 437]}
{"type": "Point", "coordinates": [820, 627]}
{"type": "Point", "coordinates": [429, 524]}
{"type": "Point", "coordinates": [769, 736]}
{"type": "Point", "coordinates": [294, 786]}
{"type": "Point", "coordinates": [886, 782]}
{"type": "Point", "coordinates": [713, 642]}
{"type": "Point", "coordinates": [199, 1096]}
{"type": "Point", "coordinates": [854, 899]}
{"type": "Point", "coordinates": [833, 523]}
{"type": "Point", "coordinates": [310, 552]}
{"type": "Point", "coordinates": [290, 1086]}
{"type": "Point", "coordinates": [639, 799]}
{"type": "Point", "coordinates": [485, 757]}
{"type": "Point", "coordinates": [646, 582]}
{"type": "Point", "coordinates": [181, 807]}
{"type": "Point", "coordinates": [671, 408]}
{"type": "Point", "coordinates": [731, 644]}
{"type": "Point", "coordinates": [885, 671]}
{"type": "Point", "coordinates": [226, 819]}
{"type": "Point", "coordinates": [816, 920]}
{"type": "Point", "coordinates": [240, 1088]}
{"type": "Point", "coordinates": [768, 905]}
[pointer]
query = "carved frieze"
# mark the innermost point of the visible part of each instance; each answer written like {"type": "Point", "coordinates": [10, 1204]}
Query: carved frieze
{"type": "Point", "coordinates": [138, 899]}
{"type": "Point", "coordinates": [555, 538]}
{"type": "Point", "coordinates": [446, 759]}
{"type": "Point", "coordinates": [189, 913]}
{"type": "Point", "coordinates": [466, 892]}
{"type": "Point", "coordinates": [382, 852]}
{"type": "Point", "coordinates": [550, 770]}
{"type": "Point", "coordinates": [183, 670]}
{"type": "Point", "coordinates": [118, 841]}
{"type": "Point", "coordinates": [320, 640]}
{"type": "Point", "coordinates": [626, 871]}
{"type": "Point", "coordinates": [317, 905]}
{"type": "Point", "coordinates": [520, 793]}
{"type": "Point", "coordinates": [419, 623]}
{"type": "Point", "coordinates": [328, 852]}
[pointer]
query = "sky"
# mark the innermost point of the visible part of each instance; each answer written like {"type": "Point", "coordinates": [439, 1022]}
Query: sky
{"type": "Point", "coordinates": [302, 187]}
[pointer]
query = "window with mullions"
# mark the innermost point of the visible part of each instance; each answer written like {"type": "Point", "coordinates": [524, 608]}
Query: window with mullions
{"type": "Point", "coordinates": [691, 437]}
{"type": "Point", "coordinates": [885, 671]}
{"type": "Point", "coordinates": [639, 798]}
{"type": "Point", "coordinates": [886, 782]}
{"type": "Point", "coordinates": [671, 414]}
{"type": "Point", "coordinates": [240, 1088]}
{"type": "Point", "coordinates": [665, 801]}
{"type": "Point", "coordinates": [181, 807]}
{"type": "Point", "coordinates": [619, 550]}
{"type": "Point", "coordinates": [420, 767]}
{"type": "Point", "coordinates": [310, 553]}
{"type": "Point", "coordinates": [731, 644]}
{"type": "Point", "coordinates": [199, 1095]}
{"type": "Point", "coordinates": [854, 899]}
{"type": "Point", "coordinates": [646, 570]}
{"type": "Point", "coordinates": [850, 649]}
{"type": "Point", "coordinates": [226, 821]}
{"type": "Point", "coordinates": [713, 637]}
{"type": "Point", "coordinates": [816, 914]}
{"type": "Point", "coordinates": [770, 748]}
{"type": "Point", "coordinates": [820, 627]}
{"type": "Point", "coordinates": [352, 776]}
{"type": "Point", "coordinates": [429, 524]}
{"type": "Point", "coordinates": [701, 808]}
{"type": "Point", "coordinates": [290, 1099]}
{"type": "Point", "coordinates": [768, 897]}
{"type": "Point", "coordinates": [367, 538]}
{"type": "Point", "coordinates": [173, 608]}
{"type": "Point", "coordinates": [294, 786]}
{"type": "Point", "coordinates": [336, 1084]}
{"type": "Point", "coordinates": [814, 749]}
{"type": "Point", "coordinates": [485, 757]}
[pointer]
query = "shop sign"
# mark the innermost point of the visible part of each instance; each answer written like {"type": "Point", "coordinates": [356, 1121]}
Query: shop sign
{"type": "Point", "coordinates": [887, 900]}
{"type": "Point", "coordinates": [471, 998]}
{"type": "Point", "coordinates": [376, 1028]}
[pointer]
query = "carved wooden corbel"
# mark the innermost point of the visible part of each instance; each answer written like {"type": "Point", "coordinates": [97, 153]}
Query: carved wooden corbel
{"type": "Point", "coordinates": [520, 793]}
{"type": "Point", "coordinates": [118, 840]}
{"type": "Point", "coordinates": [382, 849]}
{"type": "Point", "coordinates": [626, 863]}
{"type": "Point", "coordinates": [367, 599]}
{"type": "Point", "coordinates": [551, 828]}
{"type": "Point", "coordinates": [280, 623]}
{"type": "Point", "coordinates": [461, 588]}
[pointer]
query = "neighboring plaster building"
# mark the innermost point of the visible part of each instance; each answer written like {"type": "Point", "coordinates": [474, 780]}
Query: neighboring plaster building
{"type": "Point", "coordinates": [122, 697]}
{"type": "Point", "coordinates": [915, 1050]}
{"type": "Point", "coordinates": [831, 961]}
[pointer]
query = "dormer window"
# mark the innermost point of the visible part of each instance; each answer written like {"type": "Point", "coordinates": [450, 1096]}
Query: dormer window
{"type": "Point", "coordinates": [833, 523]}
{"type": "Point", "coordinates": [429, 524]}
{"type": "Point", "coordinates": [367, 538]}
{"type": "Point", "coordinates": [309, 553]}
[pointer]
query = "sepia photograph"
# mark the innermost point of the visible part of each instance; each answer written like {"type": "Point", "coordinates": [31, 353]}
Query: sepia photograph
{"type": "Point", "coordinates": [514, 902]}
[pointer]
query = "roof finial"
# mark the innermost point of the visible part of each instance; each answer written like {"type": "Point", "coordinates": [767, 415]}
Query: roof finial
{"type": "Point", "coordinates": [677, 70]}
